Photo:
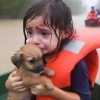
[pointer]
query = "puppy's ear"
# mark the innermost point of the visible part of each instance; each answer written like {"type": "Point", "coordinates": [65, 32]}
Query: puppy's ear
{"type": "Point", "coordinates": [16, 59]}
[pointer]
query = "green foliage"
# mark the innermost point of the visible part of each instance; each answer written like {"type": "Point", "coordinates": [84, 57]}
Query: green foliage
{"type": "Point", "coordinates": [76, 6]}
{"type": "Point", "coordinates": [14, 8]}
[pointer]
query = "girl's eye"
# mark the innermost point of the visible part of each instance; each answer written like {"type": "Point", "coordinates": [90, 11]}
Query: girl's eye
{"type": "Point", "coordinates": [29, 33]}
{"type": "Point", "coordinates": [44, 33]}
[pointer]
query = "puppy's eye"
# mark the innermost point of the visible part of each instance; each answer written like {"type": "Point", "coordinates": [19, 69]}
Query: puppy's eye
{"type": "Point", "coordinates": [32, 61]}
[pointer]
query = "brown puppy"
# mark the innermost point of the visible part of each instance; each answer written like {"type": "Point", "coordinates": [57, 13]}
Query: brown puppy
{"type": "Point", "coordinates": [28, 61]}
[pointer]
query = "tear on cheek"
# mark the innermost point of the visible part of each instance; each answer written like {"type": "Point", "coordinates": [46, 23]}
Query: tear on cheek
{"type": "Point", "coordinates": [27, 40]}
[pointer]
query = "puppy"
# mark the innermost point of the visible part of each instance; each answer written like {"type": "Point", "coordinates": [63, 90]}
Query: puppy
{"type": "Point", "coordinates": [29, 65]}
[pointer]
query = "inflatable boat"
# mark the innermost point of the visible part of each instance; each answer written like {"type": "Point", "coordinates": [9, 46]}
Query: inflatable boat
{"type": "Point", "coordinates": [92, 23]}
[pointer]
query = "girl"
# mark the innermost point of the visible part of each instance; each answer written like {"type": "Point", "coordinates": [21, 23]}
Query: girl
{"type": "Point", "coordinates": [48, 24]}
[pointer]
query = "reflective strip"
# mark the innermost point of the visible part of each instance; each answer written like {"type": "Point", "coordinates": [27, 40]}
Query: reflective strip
{"type": "Point", "coordinates": [74, 46]}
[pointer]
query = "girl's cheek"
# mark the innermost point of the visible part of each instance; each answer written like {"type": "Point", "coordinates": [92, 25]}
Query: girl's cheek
{"type": "Point", "coordinates": [29, 38]}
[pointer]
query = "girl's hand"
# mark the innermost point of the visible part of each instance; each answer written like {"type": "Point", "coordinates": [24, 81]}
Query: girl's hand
{"type": "Point", "coordinates": [40, 90]}
{"type": "Point", "coordinates": [14, 83]}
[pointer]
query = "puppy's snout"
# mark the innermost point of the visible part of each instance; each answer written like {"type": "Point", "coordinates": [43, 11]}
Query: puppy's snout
{"type": "Point", "coordinates": [39, 69]}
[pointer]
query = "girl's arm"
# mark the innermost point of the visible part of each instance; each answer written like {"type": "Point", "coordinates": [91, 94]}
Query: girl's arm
{"type": "Point", "coordinates": [14, 83]}
{"type": "Point", "coordinates": [79, 84]}
{"type": "Point", "coordinates": [57, 93]}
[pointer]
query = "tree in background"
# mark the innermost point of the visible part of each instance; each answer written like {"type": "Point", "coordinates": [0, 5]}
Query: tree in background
{"type": "Point", "coordinates": [16, 8]}
{"type": "Point", "coordinates": [77, 6]}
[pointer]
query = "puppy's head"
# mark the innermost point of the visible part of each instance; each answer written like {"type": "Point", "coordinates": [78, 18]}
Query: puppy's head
{"type": "Point", "coordinates": [29, 57]}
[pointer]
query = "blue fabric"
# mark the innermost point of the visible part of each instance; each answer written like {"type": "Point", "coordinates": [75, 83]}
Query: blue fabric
{"type": "Point", "coordinates": [98, 10]}
{"type": "Point", "coordinates": [79, 80]}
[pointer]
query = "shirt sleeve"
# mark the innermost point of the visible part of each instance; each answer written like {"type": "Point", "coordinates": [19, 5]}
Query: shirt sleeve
{"type": "Point", "coordinates": [79, 80]}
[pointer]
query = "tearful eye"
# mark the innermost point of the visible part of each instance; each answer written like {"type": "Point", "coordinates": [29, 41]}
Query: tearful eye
{"type": "Point", "coordinates": [32, 61]}
{"type": "Point", "coordinates": [29, 33]}
{"type": "Point", "coordinates": [44, 33]}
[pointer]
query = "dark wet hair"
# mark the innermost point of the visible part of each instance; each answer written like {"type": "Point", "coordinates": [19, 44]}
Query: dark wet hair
{"type": "Point", "coordinates": [92, 7]}
{"type": "Point", "coordinates": [56, 14]}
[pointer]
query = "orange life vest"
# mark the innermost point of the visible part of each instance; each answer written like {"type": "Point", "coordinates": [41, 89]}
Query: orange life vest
{"type": "Point", "coordinates": [92, 15]}
{"type": "Point", "coordinates": [82, 46]}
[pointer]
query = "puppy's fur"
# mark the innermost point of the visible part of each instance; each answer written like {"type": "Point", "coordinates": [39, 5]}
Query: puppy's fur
{"type": "Point", "coordinates": [29, 65]}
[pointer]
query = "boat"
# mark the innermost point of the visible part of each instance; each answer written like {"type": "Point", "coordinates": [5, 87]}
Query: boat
{"type": "Point", "coordinates": [4, 92]}
{"type": "Point", "coordinates": [91, 23]}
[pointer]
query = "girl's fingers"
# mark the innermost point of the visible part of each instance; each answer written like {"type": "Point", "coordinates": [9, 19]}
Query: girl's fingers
{"type": "Point", "coordinates": [23, 89]}
{"type": "Point", "coordinates": [37, 89]}
{"type": "Point", "coordinates": [19, 83]}
{"type": "Point", "coordinates": [20, 87]}
{"type": "Point", "coordinates": [33, 89]}
{"type": "Point", "coordinates": [34, 92]}
{"type": "Point", "coordinates": [13, 74]}
{"type": "Point", "coordinates": [15, 79]}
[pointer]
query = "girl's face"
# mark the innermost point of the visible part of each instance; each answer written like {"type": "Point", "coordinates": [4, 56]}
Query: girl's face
{"type": "Point", "coordinates": [41, 35]}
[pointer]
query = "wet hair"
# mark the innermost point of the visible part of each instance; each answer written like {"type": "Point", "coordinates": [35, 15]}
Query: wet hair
{"type": "Point", "coordinates": [92, 7]}
{"type": "Point", "coordinates": [56, 15]}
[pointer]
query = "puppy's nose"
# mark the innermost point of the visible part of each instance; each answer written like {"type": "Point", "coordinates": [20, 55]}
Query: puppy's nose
{"type": "Point", "coordinates": [41, 68]}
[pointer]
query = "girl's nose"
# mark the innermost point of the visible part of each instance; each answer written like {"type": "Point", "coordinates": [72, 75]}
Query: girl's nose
{"type": "Point", "coordinates": [35, 41]}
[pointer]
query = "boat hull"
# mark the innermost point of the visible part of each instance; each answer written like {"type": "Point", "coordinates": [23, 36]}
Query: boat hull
{"type": "Point", "coordinates": [92, 23]}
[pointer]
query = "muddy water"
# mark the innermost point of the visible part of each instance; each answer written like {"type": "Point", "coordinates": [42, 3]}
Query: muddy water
{"type": "Point", "coordinates": [11, 38]}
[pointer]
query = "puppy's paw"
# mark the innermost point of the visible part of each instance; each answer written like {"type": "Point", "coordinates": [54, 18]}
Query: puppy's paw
{"type": "Point", "coordinates": [51, 73]}
{"type": "Point", "coordinates": [49, 84]}
{"type": "Point", "coordinates": [50, 87]}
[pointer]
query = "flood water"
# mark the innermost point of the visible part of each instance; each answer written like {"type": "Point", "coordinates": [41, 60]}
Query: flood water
{"type": "Point", "coordinates": [11, 38]}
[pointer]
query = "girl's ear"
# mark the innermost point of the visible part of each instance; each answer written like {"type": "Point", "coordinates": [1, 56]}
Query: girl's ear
{"type": "Point", "coordinates": [66, 33]}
